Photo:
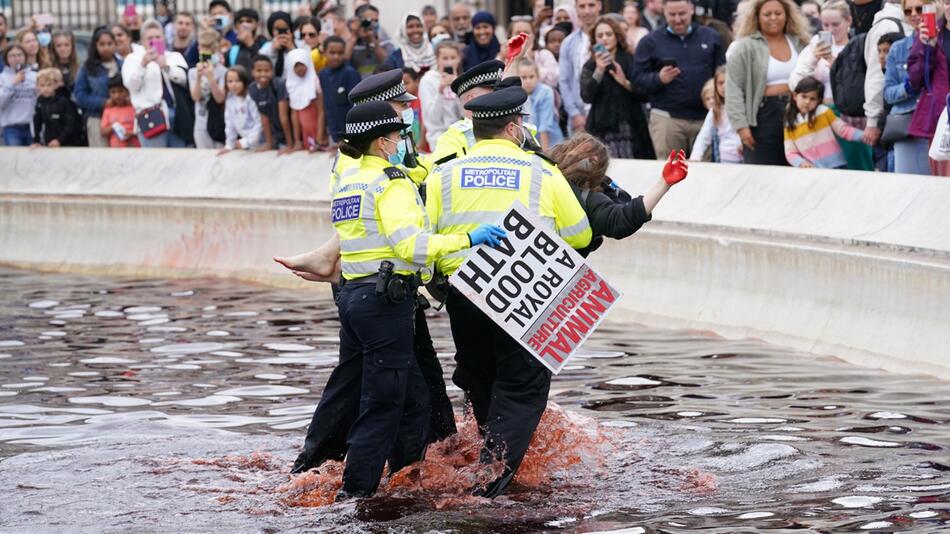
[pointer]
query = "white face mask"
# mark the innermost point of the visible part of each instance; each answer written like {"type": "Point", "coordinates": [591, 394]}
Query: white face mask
{"type": "Point", "coordinates": [408, 116]}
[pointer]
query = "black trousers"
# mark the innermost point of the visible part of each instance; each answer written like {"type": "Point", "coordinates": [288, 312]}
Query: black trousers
{"type": "Point", "coordinates": [768, 133]}
{"type": "Point", "coordinates": [339, 404]}
{"type": "Point", "coordinates": [508, 388]}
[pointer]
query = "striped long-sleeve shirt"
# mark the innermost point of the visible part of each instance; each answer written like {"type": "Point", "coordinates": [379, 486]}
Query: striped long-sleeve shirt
{"type": "Point", "coordinates": [817, 144]}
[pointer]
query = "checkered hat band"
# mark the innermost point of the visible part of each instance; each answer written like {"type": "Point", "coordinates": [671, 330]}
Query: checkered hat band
{"type": "Point", "coordinates": [392, 92]}
{"type": "Point", "coordinates": [492, 76]}
{"type": "Point", "coordinates": [356, 128]}
{"type": "Point", "coordinates": [492, 113]}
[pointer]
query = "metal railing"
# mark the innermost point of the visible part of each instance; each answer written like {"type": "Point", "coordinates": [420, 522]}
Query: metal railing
{"type": "Point", "coordinates": [87, 14]}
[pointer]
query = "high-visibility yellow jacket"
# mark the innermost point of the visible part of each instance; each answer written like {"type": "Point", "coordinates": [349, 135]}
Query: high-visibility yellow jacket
{"type": "Point", "coordinates": [344, 165]}
{"type": "Point", "coordinates": [459, 139]}
{"type": "Point", "coordinates": [480, 187]}
{"type": "Point", "coordinates": [379, 215]}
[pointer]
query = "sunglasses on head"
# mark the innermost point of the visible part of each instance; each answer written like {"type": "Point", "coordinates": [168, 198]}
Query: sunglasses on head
{"type": "Point", "coordinates": [918, 9]}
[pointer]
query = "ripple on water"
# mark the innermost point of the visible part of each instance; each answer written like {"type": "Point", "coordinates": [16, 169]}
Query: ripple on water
{"type": "Point", "coordinates": [263, 391]}
{"type": "Point", "coordinates": [188, 348]}
{"type": "Point", "coordinates": [867, 442]}
{"type": "Point", "coordinates": [41, 304]}
{"type": "Point", "coordinates": [11, 343]}
{"type": "Point", "coordinates": [104, 360]}
{"type": "Point", "coordinates": [270, 376]}
{"type": "Point", "coordinates": [857, 501]}
{"type": "Point", "coordinates": [143, 309]}
{"type": "Point", "coordinates": [110, 400]}
{"type": "Point", "coordinates": [756, 515]}
{"type": "Point", "coordinates": [288, 347]}
{"type": "Point", "coordinates": [109, 313]}
{"type": "Point", "coordinates": [633, 381]}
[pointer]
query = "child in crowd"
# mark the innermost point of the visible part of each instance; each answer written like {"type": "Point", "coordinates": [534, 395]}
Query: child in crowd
{"type": "Point", "coordinates": [810, 129]}
{"type": "Point", "coordinates": [62, 49]}
{"type": "Point", "coordinates": [242, 121]}
{"type": "Point", "coordinates": [56, 120]}
{"type": "Point", "coordinates": [118, 116]}
{"type": "Point", "coordinates": [303, 87]}
{"type": "Point", "coordinates": [440, 106]}
{"type": "Point", "coordinates": [338, 78]}
{"type": "Point", "coordinates": [541, 111]}
{"type": "Point", "coordinates": [273, 103]}
{"type": "Point", "coordinates": [410, 78]}
{"type": "Point", "coordinates": [17, 97]}
{"type": "Point", "coordinates": [717, 130]}
{"type": "Point", "coordinates": [206, 83]}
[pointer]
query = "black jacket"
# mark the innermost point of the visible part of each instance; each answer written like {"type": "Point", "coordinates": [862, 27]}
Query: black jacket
{"type": "Point", "coordinates": [612, 213]}
{"type": "Point", "coordinates": [56, 117]}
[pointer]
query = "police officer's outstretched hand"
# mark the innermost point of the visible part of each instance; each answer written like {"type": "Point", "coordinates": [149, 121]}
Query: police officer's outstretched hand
{"type": "Point", "coordinates": [676, 168]}
{"type": "Point", "coordinates": [488, 234]}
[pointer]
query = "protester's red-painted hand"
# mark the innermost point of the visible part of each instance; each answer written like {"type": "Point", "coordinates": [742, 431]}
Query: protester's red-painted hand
{"type": "Point", "coordinates": [676, 167]}
{"type": "Point", "coordinates": [515, 44]}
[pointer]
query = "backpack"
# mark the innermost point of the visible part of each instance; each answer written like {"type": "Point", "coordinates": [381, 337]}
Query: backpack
{"type": "Point", "coordinates": [848, 73]}
{"type": "Point", "coordinates": [216, 127]}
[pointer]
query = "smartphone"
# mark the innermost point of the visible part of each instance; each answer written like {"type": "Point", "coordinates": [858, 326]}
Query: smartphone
{"type": "Point", "coordinates": [326, 26]}
{"type": "Point", "coordinates": [204, 57]}
{"type": "Point", "coordinates": [825, 37]}
{"type": "Point", "coordinates": [158, 45]}
{"type": "Point", "coordinates": [599, 48]}
{"type": "Point", "coordinates": [929, 17]}
{"type": "Point", "coordinates": [130, 11]}
{"type": "Point", "coordinates": [219, 22]}
{"type": "Point", "coordinates": [449, 70]}
{"type": "Point", "coordinates": [45, 20]}
{"type": "Point", "coordinates": [19, 67]}
{"type": "Point", "coordinates": [668, 62]}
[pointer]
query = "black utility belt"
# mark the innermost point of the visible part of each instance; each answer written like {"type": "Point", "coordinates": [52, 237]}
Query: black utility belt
{"type": "Point", "coordinates": [391, 288]}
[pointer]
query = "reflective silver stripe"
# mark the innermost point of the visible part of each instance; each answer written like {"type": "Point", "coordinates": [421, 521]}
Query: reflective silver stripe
{"type": "Point", "coordinates": [574, 229]}
{"type": "Point", "coordinates": [360, 244]}
{"type": "Point", "coordinates": [365, 268]}
{"type": "Point", "coordinates": [420, 252]}
{"type": "Point", "coordinates": [446, 192]}
{"type": "Point", "coordinates": [470, 217]}
{"type": "Point", "coordinates": [460, 254]}
{"type": "Point", "coordinates": [534, 194]}
{"type": "Point", "coordinates": [470, 137]}
{"type": "Point", "coordinates": [550, 221]}
{"type": "Point", "coordinates": [403, 233]}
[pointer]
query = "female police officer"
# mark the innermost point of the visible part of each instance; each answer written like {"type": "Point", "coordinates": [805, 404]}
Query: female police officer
{"type": "Point", "coordinates": [386, 246]}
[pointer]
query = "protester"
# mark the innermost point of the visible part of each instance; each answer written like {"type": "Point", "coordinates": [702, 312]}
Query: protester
{"type": "Point", "coordinates": [241, 118]}
{"type": "Point", "coordinates": [635, 32]}
{"type": "Point", "coordinates": [671, 66]}
{"type": "Point", "coordinates": [616, 116]}
{"type": "Point", "coordinates": [337, 80]}
{"type": "Point", "coordinates": [279, 27]}
{"type": "Point", "coordinates": [575, 51]}
{"type": "Point", "coordinates": [17, 96]}
{"type": "Point", "coordinates": [183, 35]}
{"type": "Point", "coordinates": [910, 152]}
{"type": "Point", "coordinates": [540, 105]}
{"type": "Point", "coordinates": [118, 117]}
{"type": "Point", "coordinates": [415, 51]}
{"type": "Point", "coordinates": [37, 57]}
{"type": "Point", "coordinates": [92, 82]}
{"type": "Point", "coordinates": [368, 48]}
{"type": "Point", "coordinates": [151, 76]}
{"type": "Point", "coordinates": [928, 73]}
{"type": "Point", "coordinates": [440, 105]}
{"type": "Point", "coordinates": [717, 133]}
{"type": "Point", "coordinates": [206, 83]}
{"type": "Point", "coordinates": [483, 45]}
{"type": "Point", "coordinates": [811, 127]}
{"type": "Point", "coordinates": [56, 120]}
{"type": "Point", "coordinates": [270, 96]}
{"type": "Point", "coordinates": [306, 102]}
{"type": "Point", "coordinates": [771, 33]}
{"type": "Point", "coordinates": [62, 50]}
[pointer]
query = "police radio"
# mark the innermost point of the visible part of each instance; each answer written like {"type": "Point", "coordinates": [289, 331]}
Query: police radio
{"type": "Point", "coordinates": [411, 160]}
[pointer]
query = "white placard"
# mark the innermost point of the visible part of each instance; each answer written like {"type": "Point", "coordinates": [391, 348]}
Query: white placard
{"type": "Point", "coordinates": [537, 288]}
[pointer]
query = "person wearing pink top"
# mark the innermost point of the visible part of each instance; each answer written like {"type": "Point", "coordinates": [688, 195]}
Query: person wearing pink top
{"type": "Point", "coordinates": [810, 129]}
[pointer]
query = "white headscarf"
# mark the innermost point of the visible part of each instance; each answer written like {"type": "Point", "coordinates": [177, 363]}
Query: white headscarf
{"type": "Point", "coordinates": [302, 89]}
{"type": "Point", "coordinates": [417, 56]}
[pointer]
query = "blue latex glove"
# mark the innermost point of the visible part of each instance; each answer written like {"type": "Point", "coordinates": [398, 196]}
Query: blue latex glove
{"type": "Point", "coordinates": [488, 234]}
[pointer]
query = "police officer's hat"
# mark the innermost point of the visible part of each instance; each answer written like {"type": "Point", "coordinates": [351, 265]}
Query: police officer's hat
{"type": "Point", "coordinates": [371, 120]}
{"type": "Point", "coordinates": [510, 81]}
{"type": "Point", "coordinates": [485, 74]}
{"type": "Point", "coordinates": [380, 88]}
{"type": "Point", "coordinates": [501, 103]}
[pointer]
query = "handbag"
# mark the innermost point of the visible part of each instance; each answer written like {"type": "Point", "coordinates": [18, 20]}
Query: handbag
{"type": "Point", "coordinates": [895, 129]}
{"type": "Point", "coordinates": [152, 121]}
{"type": "Point", "coordinates": [940, 145]}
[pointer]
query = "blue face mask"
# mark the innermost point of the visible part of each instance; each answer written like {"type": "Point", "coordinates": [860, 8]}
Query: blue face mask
{"type": "Point", "coordinates": [44, 38]}
{"type": "Point", "coordinates": [400, 155]}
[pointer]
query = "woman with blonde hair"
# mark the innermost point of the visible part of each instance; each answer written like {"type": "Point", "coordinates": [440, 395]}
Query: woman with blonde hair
{"type": "Point", "coordinates": [37, 57]}
{"type": "Point", "coordinates": [771, 34]}
{"type": "Point", "coordinates": [612, 212]}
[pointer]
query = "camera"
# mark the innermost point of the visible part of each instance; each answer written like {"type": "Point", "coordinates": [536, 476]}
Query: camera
{"type": "Point", "coordinates": [282, 31]}
{"type": "Point", "coordinates": [204, 57]}
{"type": "Point", "coordinates": [366, 23]}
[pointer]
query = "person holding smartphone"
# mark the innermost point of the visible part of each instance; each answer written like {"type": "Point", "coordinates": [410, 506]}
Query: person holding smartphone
{"type": "Point", "coordinates": [440, 105]}
{"type": "Point", "coordinates": [816, 59]}
{"type": "Point", "coordinates": [17, 97]}
{"type": "Point", "coordinates": [249, 43]}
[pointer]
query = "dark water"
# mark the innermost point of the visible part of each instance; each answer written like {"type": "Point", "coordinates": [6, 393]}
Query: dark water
{"type": "Point", "coordinates": [178, 405]}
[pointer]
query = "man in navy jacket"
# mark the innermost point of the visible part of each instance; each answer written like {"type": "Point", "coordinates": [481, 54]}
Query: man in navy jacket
{"type": "Point", "coordinates": [671, 65]}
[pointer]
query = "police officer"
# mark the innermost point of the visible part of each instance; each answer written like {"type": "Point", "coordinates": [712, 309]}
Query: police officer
{"type": "Point", "coordinates": [339, 404]}
{"type": "Point", "coordinates": [386, 247]}
{"type": "Point", "coordinates": [507, 387]}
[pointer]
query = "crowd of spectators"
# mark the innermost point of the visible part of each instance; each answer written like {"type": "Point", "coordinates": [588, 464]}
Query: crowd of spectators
{"type": "Point", "coordinates": [856, 84]}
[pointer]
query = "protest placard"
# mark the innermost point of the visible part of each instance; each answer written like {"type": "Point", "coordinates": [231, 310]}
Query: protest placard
{"type": "Point", "coordinates": [537, 288]}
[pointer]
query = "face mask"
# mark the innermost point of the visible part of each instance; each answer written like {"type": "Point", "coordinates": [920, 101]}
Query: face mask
{"type": "Point", "coordinates": [296, 35]}
{"type": "Point", "coordinates": [44, 38]}
{"type": "Point", "coordinates": [523, 137]}
{"type": "Point", "coordinates": [408, 117]}
{"type": "Point", "coordinates": [400, 155]}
